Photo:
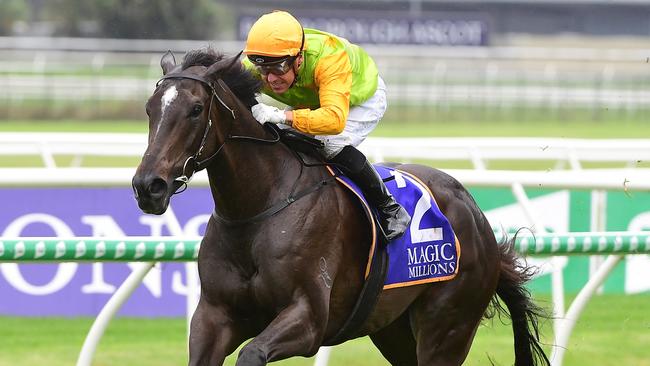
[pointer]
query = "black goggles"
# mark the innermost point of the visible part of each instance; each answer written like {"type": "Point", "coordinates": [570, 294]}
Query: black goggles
{"type": "Point", "coordinates": [278, 68]}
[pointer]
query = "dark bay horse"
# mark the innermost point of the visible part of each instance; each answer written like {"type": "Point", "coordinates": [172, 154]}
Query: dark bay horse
{"type": "Point", "coordinates": [288, 274]}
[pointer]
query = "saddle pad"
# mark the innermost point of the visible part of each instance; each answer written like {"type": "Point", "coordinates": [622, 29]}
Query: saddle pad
{"type": "Point", "coordinates": [429, 250]}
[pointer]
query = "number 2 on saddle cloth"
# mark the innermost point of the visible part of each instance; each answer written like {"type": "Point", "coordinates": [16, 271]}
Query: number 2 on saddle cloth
{"type": "Point", "coordinates": [429, 250]}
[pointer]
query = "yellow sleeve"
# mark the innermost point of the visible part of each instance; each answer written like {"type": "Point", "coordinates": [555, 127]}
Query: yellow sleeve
{"type": "Point", "coordinates": [333, 78]}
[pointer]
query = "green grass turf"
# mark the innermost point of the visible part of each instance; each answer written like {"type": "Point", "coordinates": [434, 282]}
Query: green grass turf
{"type": "Point", "coordinates": [614, 330]}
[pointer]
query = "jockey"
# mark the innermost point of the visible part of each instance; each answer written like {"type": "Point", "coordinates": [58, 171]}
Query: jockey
{"type": "Point", "coordinates": [333, 91]}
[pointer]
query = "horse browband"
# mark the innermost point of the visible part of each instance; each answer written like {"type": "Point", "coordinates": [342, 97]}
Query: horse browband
{"type": "Point", "coordinates": [203, 81]}
{"type": "Point", "coordinates": [186, 76]}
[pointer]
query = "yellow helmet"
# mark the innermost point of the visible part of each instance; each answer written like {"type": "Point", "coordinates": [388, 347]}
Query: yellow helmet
{"type": "Point", "coordinates": [275, 34]}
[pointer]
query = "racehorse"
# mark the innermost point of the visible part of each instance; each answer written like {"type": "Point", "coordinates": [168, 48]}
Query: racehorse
{"type": "Point", "coordinates": [283, 256]}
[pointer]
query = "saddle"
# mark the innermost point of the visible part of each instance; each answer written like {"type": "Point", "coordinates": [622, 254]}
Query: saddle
{"type": "Point", "coordinates": [299, 142]}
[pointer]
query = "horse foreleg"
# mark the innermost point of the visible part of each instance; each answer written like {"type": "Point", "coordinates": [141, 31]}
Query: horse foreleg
{"type": "Point", "coordinates": [296, 331]}
{"type": "Point", "coordinates": [213, 336]}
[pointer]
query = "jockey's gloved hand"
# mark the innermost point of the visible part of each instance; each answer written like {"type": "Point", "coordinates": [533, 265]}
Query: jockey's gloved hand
{"type": "Point", "coordinates": [266, 113]}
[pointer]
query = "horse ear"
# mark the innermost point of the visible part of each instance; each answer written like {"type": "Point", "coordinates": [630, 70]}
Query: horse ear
{"type": "Point", "coordinates": [223, 65]}
{"type": "Point", "coordinates": [167, 62]}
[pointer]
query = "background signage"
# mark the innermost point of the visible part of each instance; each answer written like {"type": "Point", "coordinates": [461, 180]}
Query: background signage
{"type": "Point", "coordinates": [462, 29]}
{"type": "Point", "coordinates": [74, 289]}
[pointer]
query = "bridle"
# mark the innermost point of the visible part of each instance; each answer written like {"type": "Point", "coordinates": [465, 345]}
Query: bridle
{"type": "Point", "coordinates": [193, 163]}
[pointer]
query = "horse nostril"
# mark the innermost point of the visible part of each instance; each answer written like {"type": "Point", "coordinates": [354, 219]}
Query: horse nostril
{"type": "Point", "coordinates": [137, 184]}
{"type": "Point", "coordinates": [158, 187]}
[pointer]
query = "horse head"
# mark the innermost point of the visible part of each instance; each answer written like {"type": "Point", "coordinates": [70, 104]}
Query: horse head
{"type": "Point", "coordinates": [190, 114]}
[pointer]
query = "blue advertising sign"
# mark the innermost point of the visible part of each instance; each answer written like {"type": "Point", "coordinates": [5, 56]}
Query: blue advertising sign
{"type": "Point", "coordinates": [74, 289]}
{"type": "Point", "coordinates": [438, 29]}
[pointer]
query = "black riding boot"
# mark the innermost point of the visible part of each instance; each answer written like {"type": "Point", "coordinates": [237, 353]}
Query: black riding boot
{"type": "Point", "coordinates": [393, 218]}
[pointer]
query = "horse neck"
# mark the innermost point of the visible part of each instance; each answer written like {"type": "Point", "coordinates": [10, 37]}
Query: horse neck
{"type": "Point", "coordinates": [248, 176]}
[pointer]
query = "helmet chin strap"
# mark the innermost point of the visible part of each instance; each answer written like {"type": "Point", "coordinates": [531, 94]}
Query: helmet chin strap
{"type": "Point", "coordinates": [300, 57]}
{"type": "Point", "coordinates": [296, 69]}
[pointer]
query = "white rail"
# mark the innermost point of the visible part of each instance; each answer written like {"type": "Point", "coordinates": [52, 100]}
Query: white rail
{"type": "Point", "coordinates": [480, 151]}
{"type": "Point", "coordinates": [40, 87]}
{"type": "Point", "coordinates": [613, 179]}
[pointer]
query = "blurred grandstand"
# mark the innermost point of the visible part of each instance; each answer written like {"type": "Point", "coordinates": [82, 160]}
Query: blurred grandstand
{"type": "Point", "coordinates": [443, 60]}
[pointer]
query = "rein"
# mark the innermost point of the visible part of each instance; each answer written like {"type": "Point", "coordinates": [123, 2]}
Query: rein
{"type": "Point", "coordinates": [195, 164]}
{"type": "Point", "coordinates": [279, 206]}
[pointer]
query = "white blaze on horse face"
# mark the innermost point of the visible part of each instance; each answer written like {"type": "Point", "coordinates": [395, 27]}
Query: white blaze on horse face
{"type": "Point", "coordinates": [170, 94]}
{"type": "Point", "coordinates": [168, 97]}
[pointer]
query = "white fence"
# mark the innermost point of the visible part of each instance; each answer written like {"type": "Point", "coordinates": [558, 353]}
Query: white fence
{"type": "Point", "coordinates": [567, 152]}
{"type": "Point", "coordinates": [597, 79]}
{"type": "Point", "coordinates": [126, 89]}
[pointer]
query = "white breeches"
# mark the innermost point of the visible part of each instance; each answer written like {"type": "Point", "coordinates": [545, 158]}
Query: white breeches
{"type": "Point", "coordinates": [362, 119]}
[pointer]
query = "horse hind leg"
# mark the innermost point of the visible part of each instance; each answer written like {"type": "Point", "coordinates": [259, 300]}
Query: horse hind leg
{"type": "Point", "coordinates": [396, 342]}
{"type": "Point", "coordinates": [444, 321]}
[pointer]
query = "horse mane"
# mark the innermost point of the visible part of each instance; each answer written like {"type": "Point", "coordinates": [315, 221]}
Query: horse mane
{"type": "Point", "coordinates": [241, 81]}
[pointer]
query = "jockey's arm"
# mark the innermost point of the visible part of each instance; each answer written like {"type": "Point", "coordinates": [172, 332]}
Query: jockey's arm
{"type": "Point", "coordinates": [333, 78]}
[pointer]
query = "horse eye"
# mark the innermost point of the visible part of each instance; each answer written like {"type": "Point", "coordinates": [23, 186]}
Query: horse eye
{"type": "Point", "coordinates": [196, 110]}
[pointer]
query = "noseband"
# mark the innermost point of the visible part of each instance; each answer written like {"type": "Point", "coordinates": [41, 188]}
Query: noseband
{"type": "Point", "coordinates": [193, 161]}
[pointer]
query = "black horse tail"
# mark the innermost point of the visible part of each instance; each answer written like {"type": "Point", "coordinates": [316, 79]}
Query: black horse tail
{"type": "Point", "coordinates": [522, 310]}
